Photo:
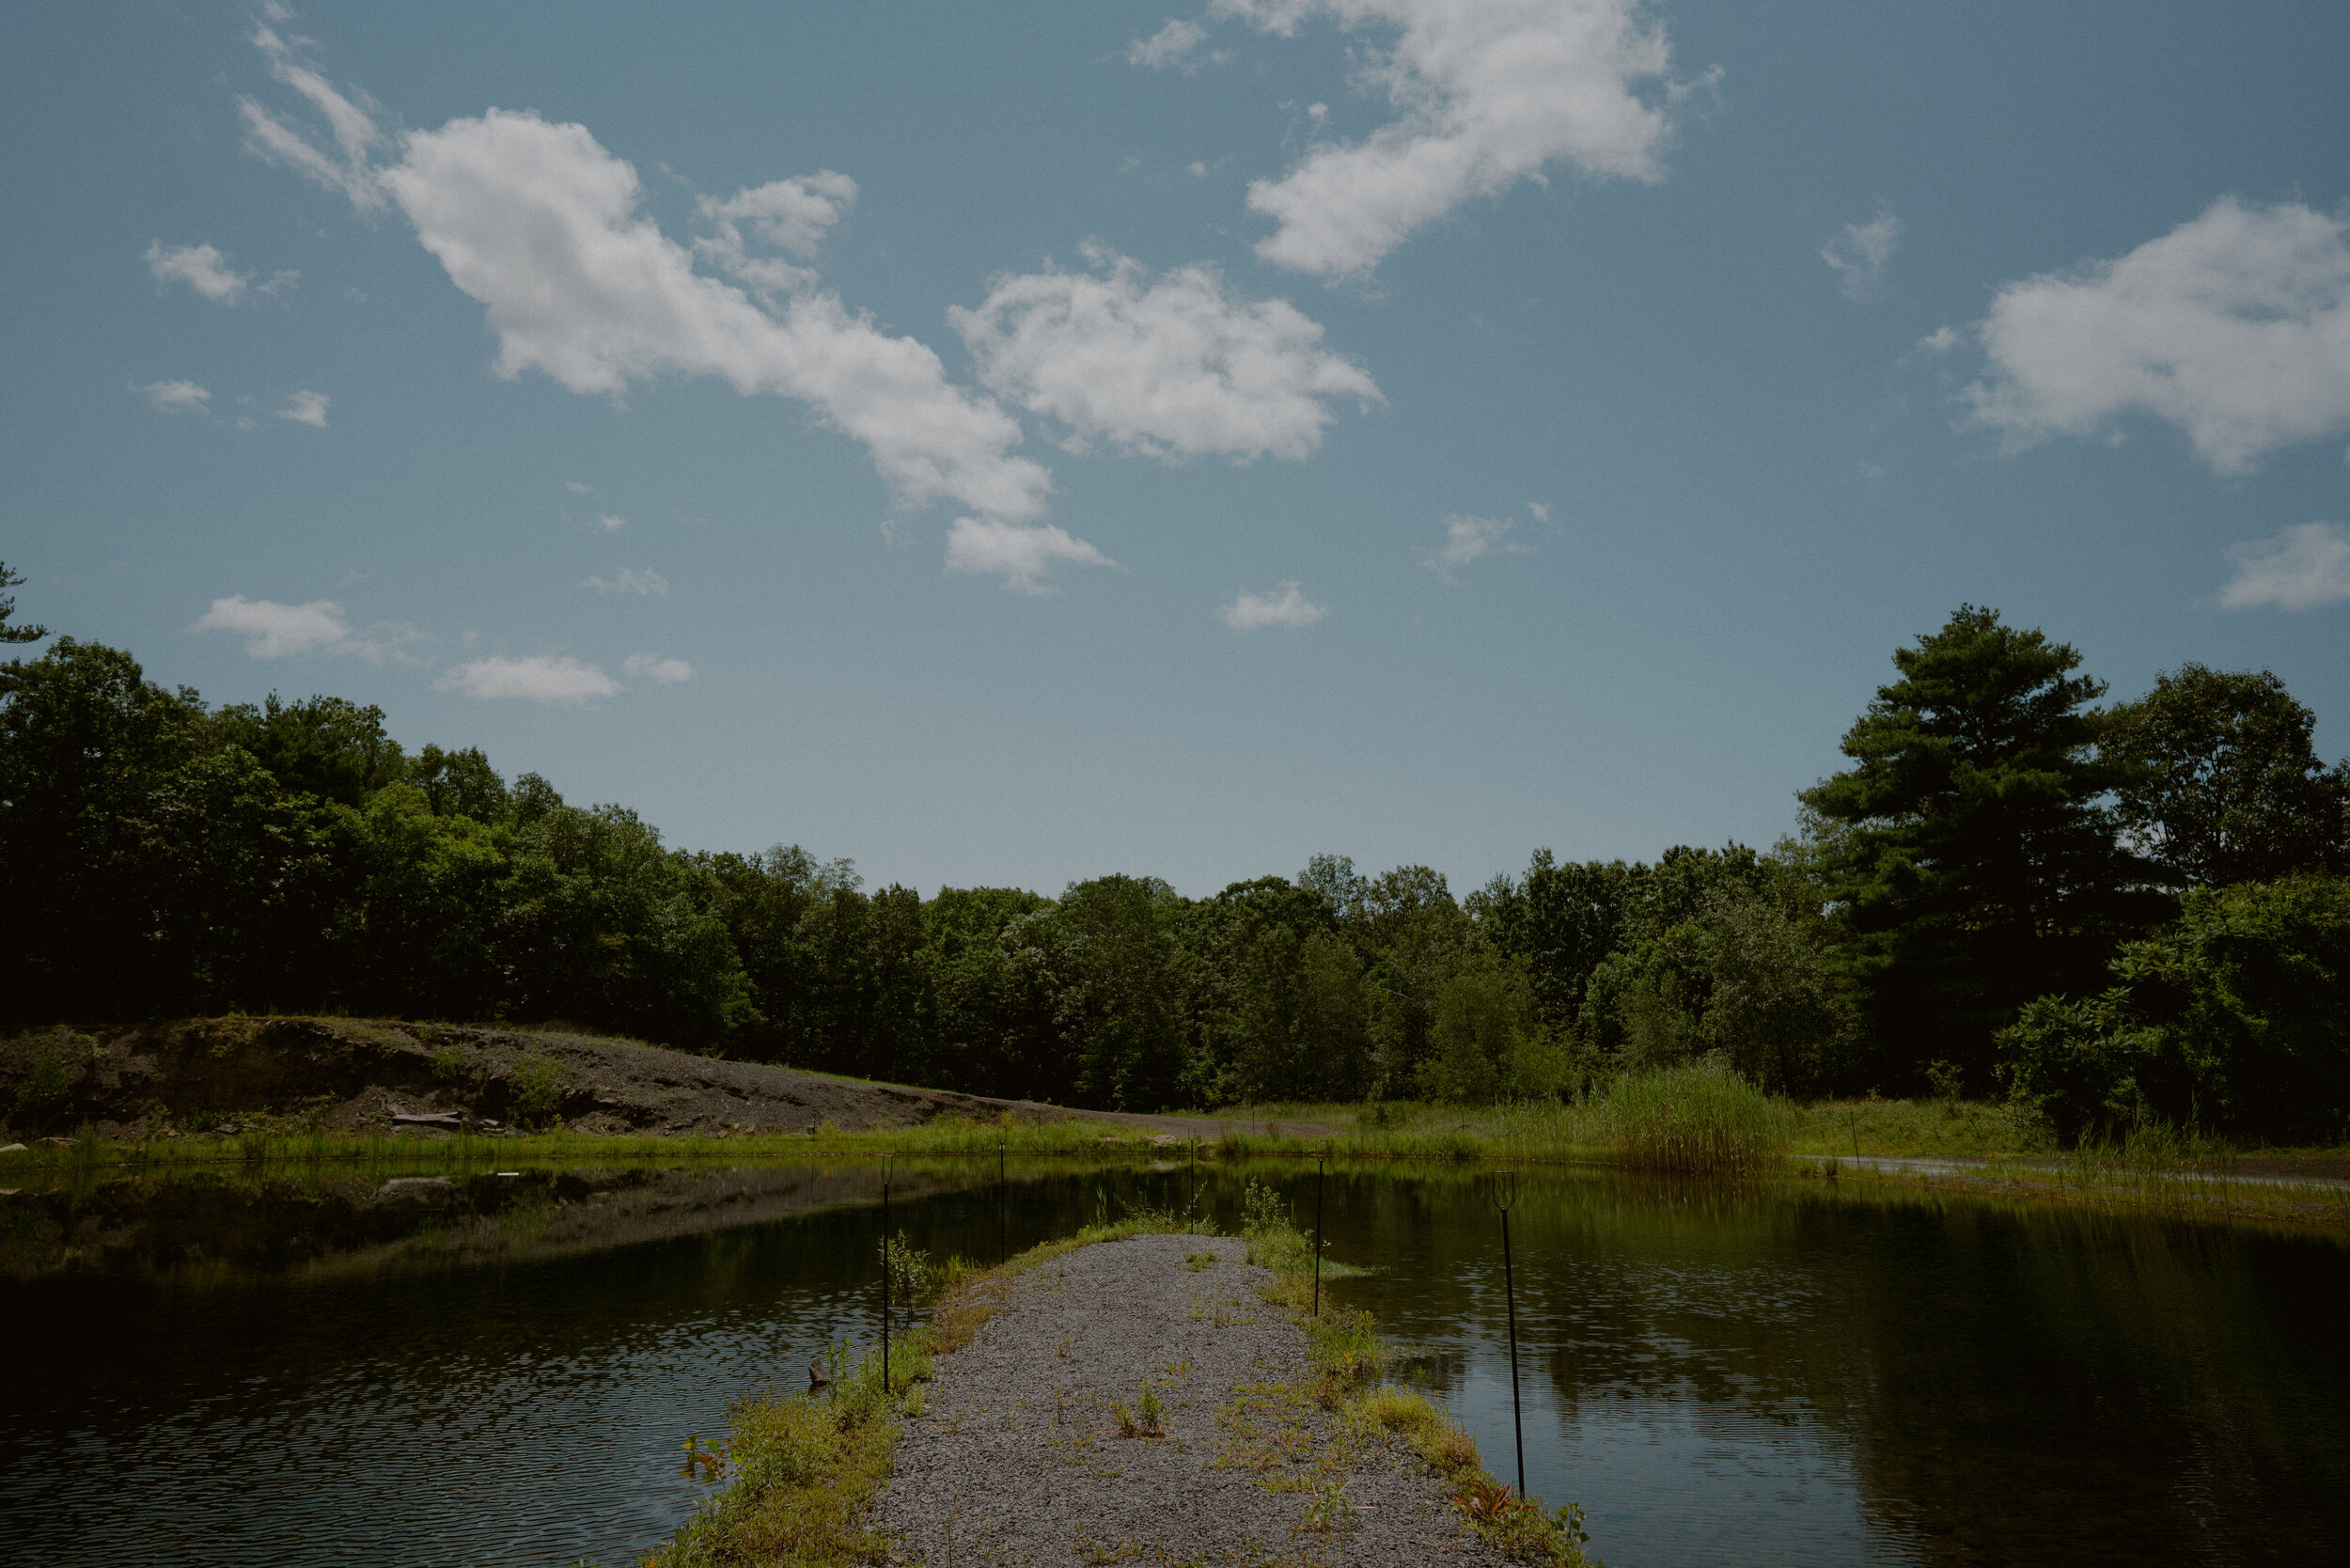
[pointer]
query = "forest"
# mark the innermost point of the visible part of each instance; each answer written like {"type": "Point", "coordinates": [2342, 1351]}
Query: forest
{"type": "Point", "coordinates": [2109, 913]}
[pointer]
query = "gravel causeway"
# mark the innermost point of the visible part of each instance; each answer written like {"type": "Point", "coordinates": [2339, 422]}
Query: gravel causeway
{"type": "Point", "coordinates": [1019, 1456]}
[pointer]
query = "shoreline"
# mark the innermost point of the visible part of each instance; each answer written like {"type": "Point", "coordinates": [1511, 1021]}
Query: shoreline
{"type": "Point", "coordinates": [828, 1480]}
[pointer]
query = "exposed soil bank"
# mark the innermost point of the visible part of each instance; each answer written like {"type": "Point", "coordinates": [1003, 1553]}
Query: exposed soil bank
{"type": "Point", "coordinates": [353, 1075]}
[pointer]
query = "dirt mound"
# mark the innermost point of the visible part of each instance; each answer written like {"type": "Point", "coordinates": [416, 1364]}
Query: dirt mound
{"type": "Point", "coordinates": [353, 1075]}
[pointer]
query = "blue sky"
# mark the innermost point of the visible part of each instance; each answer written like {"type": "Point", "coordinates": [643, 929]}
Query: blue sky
{"type": "Point", "coordinates": [1010, 445]}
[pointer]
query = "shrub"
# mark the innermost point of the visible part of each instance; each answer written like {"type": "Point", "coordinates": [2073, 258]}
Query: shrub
{"type": "Point", "coordinates": [47, 1086]}
{"type": "Point", "coordinates": [2235, 1019]}
{"type": "Point", "coordinates": [1701, 1119]}
{"type": "Point", "coordinates": [537, 1086]}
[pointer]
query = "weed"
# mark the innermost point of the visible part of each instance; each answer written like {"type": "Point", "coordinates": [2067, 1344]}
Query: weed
{"type": "Point", "coordinates": [47, 1086]}
{"type": "Point", "coordinates": [1699, 1119]}
{"type": "Point", "coordinates": [1200, 1262]}
{"type": "Point", "coordinates": [448, 1065]}
{"type": "Point", "coordinates": [536, 1083]}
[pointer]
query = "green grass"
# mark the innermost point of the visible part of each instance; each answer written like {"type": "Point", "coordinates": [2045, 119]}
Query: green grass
{"type": "Point", "coordinates": [1693, 1120]}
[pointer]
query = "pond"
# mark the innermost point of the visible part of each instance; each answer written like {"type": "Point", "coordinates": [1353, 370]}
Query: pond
{"type": "Point", "coordinates": [385, 1369]}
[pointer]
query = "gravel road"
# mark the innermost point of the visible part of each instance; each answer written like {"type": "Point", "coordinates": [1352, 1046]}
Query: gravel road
{"type": "Point", "coordinates": [1019, 1456]}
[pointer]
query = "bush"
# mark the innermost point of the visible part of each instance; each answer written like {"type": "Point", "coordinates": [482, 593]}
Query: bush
{"type": "Point", "coordinates": [536, 1087]}
{"type": "Point", "coordinates": [1702, 1119]}
{"type": "Point", "coordinates": [47, 1086]}
{"type": "Point", "coordinates": [2235, 1020]}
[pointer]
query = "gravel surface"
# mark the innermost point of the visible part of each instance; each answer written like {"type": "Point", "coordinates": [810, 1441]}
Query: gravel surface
{"type": "Point", "coordinates": [1019, 1457]}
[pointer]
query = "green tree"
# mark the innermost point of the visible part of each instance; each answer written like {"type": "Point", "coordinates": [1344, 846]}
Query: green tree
{"type": "Point", "coordinates": [7, 607]}
{"type": "Point", "coordinates": [1117, 1000]}
{"type": "Point", "coordinates": [1979, 868]}
{"type": "Point", "coordinates": [2223, 784]}
{"type": "Point", "coordinates": [324, 747]}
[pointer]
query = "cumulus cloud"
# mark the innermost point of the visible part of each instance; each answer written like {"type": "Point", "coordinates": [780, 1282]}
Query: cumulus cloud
{"type": "Point", "coordinates": [1860, 253]}
{"type": "Point", "coordinates": [1254, 612]}
{"type": "Point", "coordinates": [177, 397]}
{"type": "Point", "coordinates": [1468, 539]}
{"type": "Point", "coordinates": [1487, 93]}
{"type": "Point", "coordinates": [553, 679]}
{"type": "Point", "coordinates": [1173, 366]}
{"type": "Point", "coordinates": [611, 522]}
{"type": "Point", "coordinates": [790, 214]}
{"type": "Point", "coordinates": [1017, 553]}
{"type": "Point", "coordinates": [202, 267]}
{"type": "Point", "coordinates": [630, 580]}
{"type": "Point", "coordinates": [2234, 327]}
{"type": "Point", "coordinates": [279, 631]}
{"type": "Point", "coordinates": [306, 408]}
{"type": "Point", "coordinates": [652, 667]}
{"type": "Point", "coordinates": [274, 631]}
{"type": "Point", "coordinates": [546, 229]}
{"type": "Point", "coordinates": [1171, 45]}
{"type": "Point", "coordinates": [2306, 567]}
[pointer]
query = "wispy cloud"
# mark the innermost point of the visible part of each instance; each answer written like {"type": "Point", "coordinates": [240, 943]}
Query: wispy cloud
{"type": "Point", "coordinates": [1469, 540]}
{"type": "Point", "coordinates": [202, 267]}
{"type": "Point", "coordinates": [1171, 45]}
{"type": "Point", "coordinates": [1017, 553]}
{"type": "Point", "coordinates": [629, 580]}
{"type": "Point", "coordinates": [306, 408]}
{"type": "Point", "coordinates": [578, 489]}
{"type": "Point", "coordinates": [177, 397]}
{"type": "Point", "coordinates": [551, 680]}
{"type": "Point", "coordinates": [1286, 606]}
{"type": "Point", "coordinates": [652, 667]}
{"type": "Point", "coordinates": [1860, 252]}
{"type": "Point", "coordinates": [611, 522]}
{"type": "Point", "coordinates": [2306, 567]}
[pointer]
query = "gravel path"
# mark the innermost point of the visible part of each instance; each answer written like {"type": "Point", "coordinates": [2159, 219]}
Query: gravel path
{"type": "Point", "coordinates": [1019, 1457]}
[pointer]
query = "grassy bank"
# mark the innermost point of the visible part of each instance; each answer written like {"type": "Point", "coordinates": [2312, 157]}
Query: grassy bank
{"type": "Point", "coordinates": [804, 1471]}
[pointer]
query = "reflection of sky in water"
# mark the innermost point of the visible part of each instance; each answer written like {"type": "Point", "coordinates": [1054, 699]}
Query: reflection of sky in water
{"type": "Point", "coordinates": [1780, 1377]}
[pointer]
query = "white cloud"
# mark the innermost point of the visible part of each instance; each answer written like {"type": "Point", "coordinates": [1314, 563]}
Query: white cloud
{"type": "Point", "coordinates": [1540, 512]}
{"type": "Point", "coordinates": [306, 408]}
{"type": "Point", "coordinates": [1467, 540]}
{"type": "Point", "coordinates": [1860, 252]}
{"type": "Point", "coordinates": [1173, 365]}
{"type": "Point", "coordinates": [1940, 340]}
{"type": "Point", "coordinates": [988, 547]}
{"type": "Point", "coordinates": [611, 522]}
{"type": "Point", "coordinates": [1171, 45]}
{"type": "Point", "coordinates": [666, 672]}
{"type": "Point", "coordinates": [279, 631]}
{"type": "Point", "coordinates": [1487, 93]}
{"type": "Point", "coordinates": [284, 631]}
{"type": "Point", "coordinates": [553, 679]}
{"type": "Point", "coordinates": [177, 397]}
{"type": "Point", "coordinates": [2306, 567]}
{"type": "Point", "coordinates": [1253, 612]}
{"type": "Point", "coordinates": [541, 225]}
{"type": "Point", "coordinates": [578, 489]}
{"type": "Point", "coordinates": [350, 123]}
{"type": "Point", "coordinates": [2234, 327]}
{"type": "Point", "coordinates": [630, 580]}
{"type": "Point", "coordinates": [791, 214]}
{"type": "Point", "coordinates": [202, 267]}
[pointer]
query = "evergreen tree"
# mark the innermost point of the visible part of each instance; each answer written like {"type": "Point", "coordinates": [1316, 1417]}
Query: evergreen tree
{"type": "Point", "coordinates": [1980, 866]}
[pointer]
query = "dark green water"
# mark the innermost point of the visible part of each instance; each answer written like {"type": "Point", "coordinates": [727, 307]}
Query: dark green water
{"type": "Point", "coordinates": [501, 1369]}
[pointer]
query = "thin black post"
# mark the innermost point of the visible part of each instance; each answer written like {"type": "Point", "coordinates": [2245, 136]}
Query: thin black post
{"type": "Point", "coordinates": [886, 1174]}
{"type": "Point", "coordinates": [1191, 1216]}
{"type": "Point", "coordinates": [1510, 1295]}
{"type": "Point", "coordinates": [1002, 1207]}
{"type": "Point", "coordinates": [1320, 1160]}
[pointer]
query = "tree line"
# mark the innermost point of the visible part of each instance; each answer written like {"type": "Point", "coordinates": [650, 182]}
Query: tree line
{"type": "Point", "coordinates": [2111, 913]}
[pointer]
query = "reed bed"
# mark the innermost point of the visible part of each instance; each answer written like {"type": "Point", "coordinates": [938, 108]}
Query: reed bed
{"type": "Point", "coordinates": [1698, 1120]}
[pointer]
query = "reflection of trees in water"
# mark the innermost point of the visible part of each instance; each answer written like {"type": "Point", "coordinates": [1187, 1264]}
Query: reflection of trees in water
{"type": "Point", "coordinates": [2006, 1383]}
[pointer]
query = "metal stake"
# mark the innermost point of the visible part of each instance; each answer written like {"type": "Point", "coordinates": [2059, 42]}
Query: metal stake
{"type": "Point", "coordinates": [887, 1170]}
{"type": "Point", "coordinates": [1320, 1160]}
{"type": "Point", "coordinates": [1002, 1207]}
{"type": "Point", "coordinates": [1510, 1295]}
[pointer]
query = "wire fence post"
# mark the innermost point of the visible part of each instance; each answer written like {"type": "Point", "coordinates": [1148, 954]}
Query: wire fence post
{"type": "Point", "coordinates": [887, 1170]}
{"type": "Point", "coordinates": [1510, 1295]}
{"type": "Point", "coordinates": [1320, 1160]}
{"type": "Point", "coordinates": [1003, 1208]}
{"type": "Point", "coordinates": [1191, 1215]}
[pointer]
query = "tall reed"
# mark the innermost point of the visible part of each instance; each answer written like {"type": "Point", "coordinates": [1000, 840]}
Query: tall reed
{"type": "Point", "coordinates": [1699, 1119]}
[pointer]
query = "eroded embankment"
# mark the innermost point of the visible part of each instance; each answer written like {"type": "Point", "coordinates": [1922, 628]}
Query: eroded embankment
{"type": "Point", "coordinates": [353, 1076]}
